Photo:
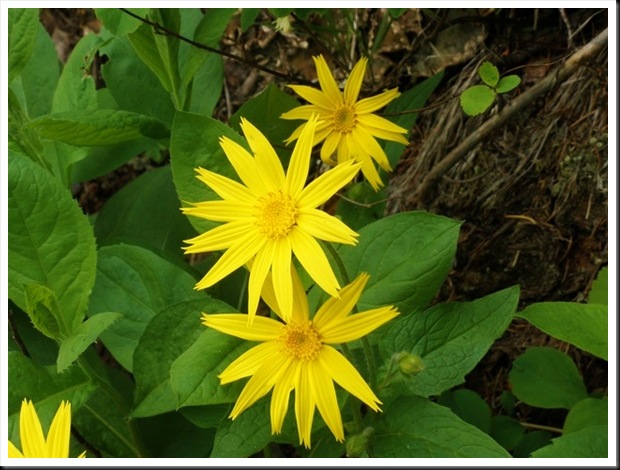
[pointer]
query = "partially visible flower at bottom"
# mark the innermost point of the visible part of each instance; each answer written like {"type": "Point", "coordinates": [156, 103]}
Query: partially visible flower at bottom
{"type": "Point", "coordinates": [296, 355]}
{"type": "Point", "coordinates": [33, 442]}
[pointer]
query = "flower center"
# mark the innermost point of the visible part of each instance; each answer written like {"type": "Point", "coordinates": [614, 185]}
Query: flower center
{"type": "Point", "coordinates": [344, 119]}
{"type": "Point", "coordinates": [301, 340]}
{"type": "Point", "coordinates": [277, 214]}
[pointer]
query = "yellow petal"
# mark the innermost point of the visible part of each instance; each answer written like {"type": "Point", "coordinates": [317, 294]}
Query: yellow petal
{"type": "Point", "coordinates": [281, 272]}
{"type": "Point", "coordinates": [373, 103]}
{"type": "Point", "coordinates": [371, 146]}
{"type": "Point", "coordinates": [235, 257]}
{"type": "Point", "coordinates": [220, 211]}
{"type": "Point", "coordinates": [236, 324]}
{"type": "Point", "coordinates": [258, 274]}
{"type": "Point", "coordinates": [315, 97]}
{"type": "Point", "coordinates": [370, 173]}
{"type": "Point", "coordinates": [57, 445]}
{"type": "Point", "coordinates": [225, 187]}
{"type": "Point", "coordinates": [30, 431]}
{"type": "Point", "coordinates": [325, 398]}
{"type": "Point", "coordinates": [325, 227]}
{"type": "Point", "coordinates": [300, 300]}
{"type": "Point", "coordinates": [345, 375]}
{"type": "Point", "coordinates": [329, 147]}
{"type": "Point", "coordinates": [334, 310]}
{"type": "Point", "coordinates": [245, 166]}
{"type": "Point", "coordinates": [382, 128]}
{"type": "Point", "coordinates": [299, 165]}
{"type": "Point", "coordinates": [267, 162]}
{"type": "Point", "coordinates": [249, 362]}
{"type": "Point", "coordinates": [326, 185]}
{"type": "Point", "coordinates": [355, 326]}
{"type": "Point", "coordinates": [314, 261]}
{"type": "Point", "coordinates": [14, 452]}
{"type": "Point", "coordinates": [220, 237]}
{"type": "Point", "coordinates": [354, 82]}
{"type": "Point", "coordinates": [327, 82]}
{"type": "Point", "coordinates": [260, 383]}
{"type": "Point", "coordinates": [281, 392]}
{"type": "Point", "coordinates": [302, 112]}
{"type": "Point", "coordinates": [296, 133]}
{"type": "Point", "coordinates": [304, 407]}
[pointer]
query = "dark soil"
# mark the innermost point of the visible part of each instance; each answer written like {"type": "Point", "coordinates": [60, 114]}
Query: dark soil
{"type": "Point", "coordinates": [532, 197]}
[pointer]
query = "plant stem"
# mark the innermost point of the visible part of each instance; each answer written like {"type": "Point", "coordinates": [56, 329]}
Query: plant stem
{"type": "Point", "coordinates": [542, 427]}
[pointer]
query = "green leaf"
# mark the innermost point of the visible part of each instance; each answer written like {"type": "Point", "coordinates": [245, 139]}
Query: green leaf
{"type": "Point", "coordinates": [418, 428]}
{"type": "Point", "coordinates": [41, 349]}
{"type": "Point", "coordinates": [530, 442]}
{"type": "Point", "coordinates": [181, 440]}
{"type": "Point", "coordinates": [51, 242]}
{"type": "Point", "coordinates": [588, 443]}
{"type": "Point", "coordinates": [208, 416]}
{"type": "Point", "coordinates": [506, 431]}
{"type": "Point", "coordinates": [98, 128]}
{"type": "Point", "coordinates": [40, 75]}
{"type": "Point", "coordinates": [477, 99]}
{"type": "Point", "coordinates": [546, 378]}
{"type": "Point", "coordinates": [172, 331]}
{"type": "Point", "coordinates": [264, 111]}
{"type": "Point", "coordinates": [103, 421]}
{"type": "Point", "coordinates": [412, 99]}
{"type": "Point", "coordinates": [194, 143]}
{"type": "Point", "coordinates": [22, 140]}
{"type": "Point", "coordinates": [468, 406]}
{"type": "Point", "coordinates": [44, 387]}
{"type": "Point", "coordinates": [508, 83]}
{"type": "Point", "coordinates": [22, 34]}
{"type": "Point", "coordinates": [138, 284]}
{"type": "Point", "coordinates": [128, 216]}
{"type": "Point", "coordinates": [129, 80]}
{"type": "Point", "coordinates": [598, 292]}
{"type": "Point", "coordinates": [583, 325]}
{"type": "Point", "coordinates": [489, 73]}
{"type": "Point", "coordinates": [407, 255]}
{"type": "Point", "coordinates": [248, 16]}
{"type": "Point", "coordinates": [396, 12]}
{"type": "Point", "coordinates": [84, 336]}
{"type": "Point", "coordinates": [450, 338]}
{"type": "Point", "coordinates": [76, 87]}
{"type": "Point", "coordinates": [168, 46]}
{"type": "Point", "coordinates": [118, 22]}
{"type": "Point", "coordinates": [42, 308]}
{"type": "Point", "coordinates": [207, 86]}
{"type": "Point", "coordinates": [587, 412]}
{"type": "Point", "coordinates": [194, 374]}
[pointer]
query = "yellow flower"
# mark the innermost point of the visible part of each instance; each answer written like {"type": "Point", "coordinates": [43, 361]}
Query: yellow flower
{"type": "Point", "coordinates": [349, 128]}
{"type": "Point", "coordinates": [297, 355]}
{"type": "Point", "coordinates": [34, 444]}
{"type": "Point", "coordinates": [270, 217]}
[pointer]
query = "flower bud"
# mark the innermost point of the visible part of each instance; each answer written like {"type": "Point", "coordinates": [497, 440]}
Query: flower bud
{"type": "Point", "coordinates": [357, 444]}
{"type": "Point", "coordinates": [410, 364]}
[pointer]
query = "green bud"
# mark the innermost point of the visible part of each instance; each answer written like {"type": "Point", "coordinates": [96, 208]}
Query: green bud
{"type": "Point", "coordinates": [410, 364]}
{"type": "Point", "coordinates": [357, 444]}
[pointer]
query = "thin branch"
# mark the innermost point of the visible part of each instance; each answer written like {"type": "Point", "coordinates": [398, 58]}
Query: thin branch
{"type": "Point", "coordinates": [163, 30]}
{"type": "Point", "coordinates": [517, 105]}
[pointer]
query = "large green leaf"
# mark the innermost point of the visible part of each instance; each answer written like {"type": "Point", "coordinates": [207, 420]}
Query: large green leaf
{"type": "Point", "coordinates": [39, 77]}
{"type": "Point", "coordinates": [119, 22]}
{"type": "Point", "coordinates": [99, 127]}
{"type": "Point", "coordinates": [76, 87]}
{"type": "Point", "coordinates": [469, 406]}
{"type": "Point", "coordinates": [598, 293]}
{"type": "Point", "coordinates": [583, 325]}
{"type": "Point", "coordinates": [416, 428]}
{"type": "Point", "coordinates": [22, 33]}
{"type": "Point", "coordinates": [194, 143]}
{"type": "Point", "coordinates": [408, 257]}
{"type": "Point", "coordinates": [546, 378]}
{"type": "Point", "coordinates": [129, 80]}
{"type": "Point", "coordinates": [588, 443]}
{"type": "Point", "coordinates": [138, 284]}
{"type": "Point", "coordinates": [44, 386]}
{"type": "Point", "coordinates": [586, 413]}
{"type": "Point", "coordinates": [450, 338]}
{"type": "Point", "coordinates": [129, 215]}
{"type": "Point", "coordinates": [50, 243]}
{"type": "Point", "coordinates": [172, 332]}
